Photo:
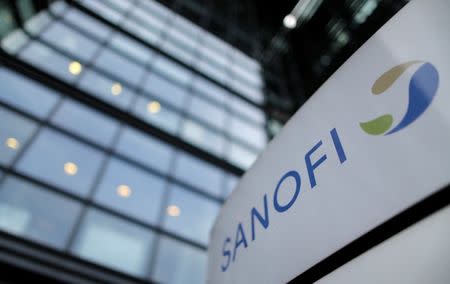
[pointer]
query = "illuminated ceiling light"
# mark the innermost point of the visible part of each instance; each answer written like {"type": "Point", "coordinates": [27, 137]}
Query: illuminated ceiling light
{"type": "Point", "coordinates": [75, 68]}
{"type": "Point", "coordinates": [12, 143]}
{"type": "Point", "coordinates": [123, 190]}
{"type": "Point", "coordinates": [173, 211]}
{"type": "Point", "coordinates": [153, 107]}
{"type": "Point", "coordinates": [116, 89]}
{"type": "Point", "coordinates": [70, 168]}
{"type": "Point", "coordinates": [290, 21]}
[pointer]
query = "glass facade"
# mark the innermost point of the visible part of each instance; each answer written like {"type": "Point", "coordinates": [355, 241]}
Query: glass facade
{"type": "Point", "coordinates": [78, 172]}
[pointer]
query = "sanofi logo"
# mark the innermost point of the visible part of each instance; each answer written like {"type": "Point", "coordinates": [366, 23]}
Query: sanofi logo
{"type": "Point", "coordinates": [423, 86]}
{"type": "Point", "coordinates": [284, 195]}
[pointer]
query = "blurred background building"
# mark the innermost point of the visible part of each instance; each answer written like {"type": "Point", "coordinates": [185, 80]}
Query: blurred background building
{"type": "Point", "coordinates": [125, 124]}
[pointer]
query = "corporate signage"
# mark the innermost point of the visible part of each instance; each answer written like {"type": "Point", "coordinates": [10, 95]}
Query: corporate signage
{"type": "Point", "coordinates": [373, 141]}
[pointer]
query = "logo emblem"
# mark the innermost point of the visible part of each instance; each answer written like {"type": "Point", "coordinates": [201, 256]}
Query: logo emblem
{"type": "Point", "coordinates": [422, 89]}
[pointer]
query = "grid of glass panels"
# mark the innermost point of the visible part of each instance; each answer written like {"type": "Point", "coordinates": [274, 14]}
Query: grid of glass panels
{"type": "Point", "coordinates": [108, 182]}
{"type": "Point", "coordinates": [127, 74]}
{"type": "Point", "coordinates": [147, 197]}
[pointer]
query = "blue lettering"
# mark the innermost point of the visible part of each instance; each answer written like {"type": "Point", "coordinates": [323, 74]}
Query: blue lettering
{"type": "Point", "coordinates": [264, 221]}
{"type": "Point", "coordinates": [310, 167]}
{"type": "Point", "coordinates": [239, 241]}
{"type": "Point", "coordinates": [277, 205]}
{"type": "Point", "coordinates": [338, 145]}
{"type": "Point", "coordinates": [226, 253]}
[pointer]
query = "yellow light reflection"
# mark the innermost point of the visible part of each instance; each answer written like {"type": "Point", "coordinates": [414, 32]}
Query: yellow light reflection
{"type": "Point", "coordinates": [116, 89]}
{"type": "Point", "coordinates": [75, 68]}
{"type": "Point", "coordinates": [173, 211]}
{"type": "Point", "coordinates": [123, 190]}
{"type": "Point", "coordinates": [70, 168]}
{"type": "Point", "coordinates": [12, 143]}
{"type": "Point", "coordinates": [153, 107]}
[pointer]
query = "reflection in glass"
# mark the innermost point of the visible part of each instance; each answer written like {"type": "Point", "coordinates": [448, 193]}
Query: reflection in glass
{"type": "Point", "coordinates": [85, 122]}
{"type": "Point", "coordinates": [145, 149]}
{"type": "Point", "coordinates": [131, 191]}
{"type": "Point", "coordinates": [61, 161]}
{"type": "Point", "coordinates": [32, 212]}
{"type": "Point", "coordinates": [115, 243]}
{"type": "Point", "coordinates": [164, 118]}
{"type": "Point", "coordinates": [67, 39]}
{"type": "Point", "coordinates": [98, 85]}
{"type": "Point", "coordinates": [199, 174]}
{"type": "Point", "coordinates": [26, 94]}
{"type": "Point", "coordinates": [15, 132]}
{"type": "Point", "coordinates": [178, 263]}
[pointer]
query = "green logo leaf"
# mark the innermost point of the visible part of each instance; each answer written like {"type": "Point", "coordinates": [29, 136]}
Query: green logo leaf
{"type": "Point", "coordinates": [377, 126]}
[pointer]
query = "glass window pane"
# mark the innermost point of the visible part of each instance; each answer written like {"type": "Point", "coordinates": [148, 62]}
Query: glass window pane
{"type": "Point", "coordinates": [34, 213]}
{"type": "Point", "coordinates": [178, 51]}
{"type": "Point", "coordinates": [85, 122]}
{"type": "Point", "coordinates": [207, 112]}
{"type": "Point", "coordinates": [198, 173]}
{"type": "Point", "coordinates": [119, 66]}
{"type": "Point", "coordinates": [14, 41]}
{"type": "Point", "coordinates": [210, 90]}
{"type": "Point", "coordinates": [143, 33]}
{"type": "Point", "coordinates": [148, 20]}
{"type": "Point", "coordinates": [54, 63]}
{"type": "Point", "coordinates": [241, 156]}
{"type": "Point", "coordinates": [131, 191]}
{"type": "Point", "coordinates": [179, 263]}
{"type": "Point", "coordinates": [203, 137]}
{"type": "Point", "coordinates": [154, 7]}
{"type": "Point", "coordinates": [189, 41]}
{"type": "Point", "coordinates": [101, 8]}
{"type": "Point", "coordinates": [251, 134]}
{"type": "Point", "coordinates": [37, 23]}
{"type": "Point", "coordinates": [231, 182]}
{"type": "Point", "coordinates": [106, 89]}
{"type": "Point", "coordinates": [132, 48]}
{"type": "Point", "coordinates": [252, 93]}
{"type": "Point", "coordinates": [26, 94]}
{"type": "Point", "coordinates": [67, 39]}
{"type": "Point", "coordinates": [87, 24]}
{"type": "Point", "coordinates": [190, 215]}
{"type": "Point", "coordinates": [166, 90]}
{"type": "Point", "coordinates": [241, 107]}
{"type": "Point", "coordinates": [213, 71]}
{"type": "Point", "coordinates": [61, 161]}
{"type": "Point", "coordinates": [7, 21]}
{"type": "Point", "coordinates": [172, 70]}
{"type": "Point", "coordinates": [15, 132]}
{"type": "Point", "coordinates": [157, 114]}
{"type": "Point", "coordinates": [145, 149]}
{"type": "Point", "coordinates": [114, 243]}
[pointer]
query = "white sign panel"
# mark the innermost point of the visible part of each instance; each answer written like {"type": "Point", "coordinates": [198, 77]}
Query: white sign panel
{"type": "Point", "coordinates": [372, 141]}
